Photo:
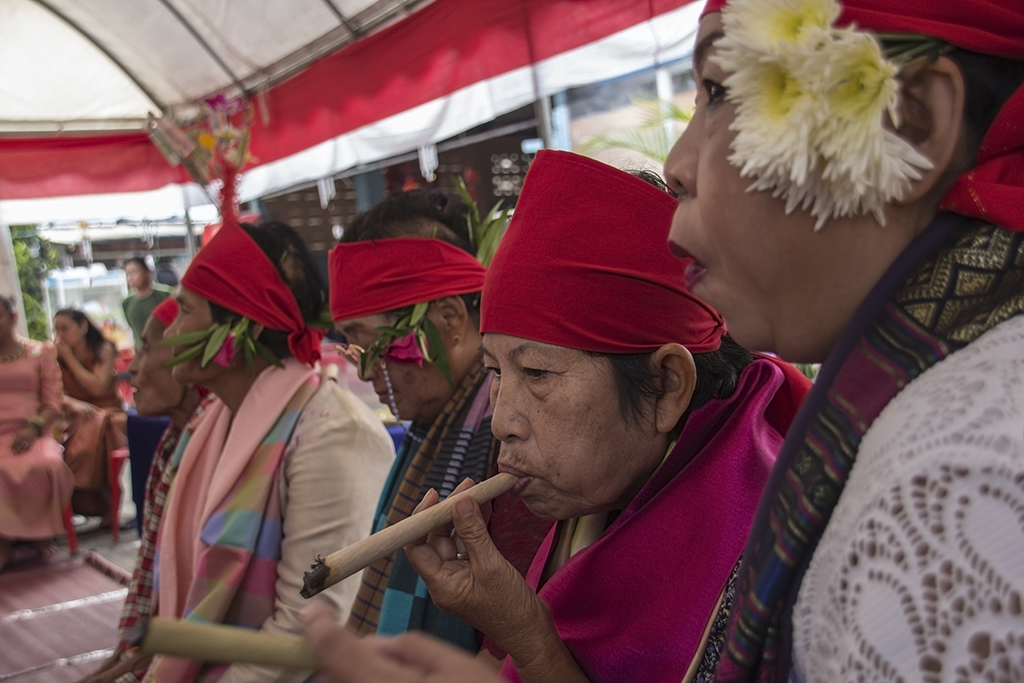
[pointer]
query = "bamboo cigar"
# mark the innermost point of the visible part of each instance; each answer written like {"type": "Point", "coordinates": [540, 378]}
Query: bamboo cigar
{"type": "Point", "coordinates": [344, 563]}
{"type": "Point", "coordinates": [228, 644]}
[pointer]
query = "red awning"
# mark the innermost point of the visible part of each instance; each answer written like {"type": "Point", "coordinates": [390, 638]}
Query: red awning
{"type": "Point", "coordinates": [442, 48]}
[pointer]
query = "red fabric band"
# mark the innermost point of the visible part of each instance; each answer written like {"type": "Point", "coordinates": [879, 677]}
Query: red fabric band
{"type": "Point", "coordinates": [994, 190]}
{"type": "Point", "coordinates": [376, 277]}
{"type": "Point", "coordinates": [585, 264]}
{"type": "Point", "coordinates": [166, 311]}
{"type": "Point", "coordinates": [232, 271]}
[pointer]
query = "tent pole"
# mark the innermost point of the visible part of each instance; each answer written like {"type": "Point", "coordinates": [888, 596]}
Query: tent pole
{"type": "Point", "coordinates": [190, 235]}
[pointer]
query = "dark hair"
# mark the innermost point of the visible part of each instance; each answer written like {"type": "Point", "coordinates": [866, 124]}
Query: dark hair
{"type": "Point", "coordinates": [94, 338]}
{"type": "Point", "coordinates": [637, 380]}
{"type": "Point", "coordinates": [652, 178]}
{"type": "Point", "coordinates": [291, 257]}
{"type": "Point", "coordinates": [417, 213]}
{"type": "Point", "coordinates": [989, 82]}
{"type": "Point", "coordinates": [140, 261]}
{"type": "Point", "coordinates": [8, 303]}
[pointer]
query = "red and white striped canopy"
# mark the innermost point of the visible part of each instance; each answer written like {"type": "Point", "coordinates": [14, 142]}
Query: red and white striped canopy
{"type": "Point", "coordinates": [338, 83]}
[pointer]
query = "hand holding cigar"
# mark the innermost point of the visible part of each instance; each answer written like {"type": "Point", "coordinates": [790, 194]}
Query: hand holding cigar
{"type": "Point", "coordinates": [344, 563]}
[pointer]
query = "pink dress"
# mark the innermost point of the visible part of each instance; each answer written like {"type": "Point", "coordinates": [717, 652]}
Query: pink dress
{"type": "Point", "coordinates": [35, 486]}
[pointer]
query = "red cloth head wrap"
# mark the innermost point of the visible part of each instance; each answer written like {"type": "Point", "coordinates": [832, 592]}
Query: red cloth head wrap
{"type": "Point", "coordinates": [232, 271]}
{"type": "Point", "coordinates": [376, 277]}
{"type": "Point", "coordinates": [994, 189]}
{"type": "Point", "coordinates": [166, 311]}
{"type": "Point", "coordinates": [585, 264]}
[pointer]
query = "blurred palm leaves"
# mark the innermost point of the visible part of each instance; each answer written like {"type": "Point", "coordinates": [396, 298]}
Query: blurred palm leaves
{"type": "Point", "coordinates": [652, 138]}
{"type": "Point", "coordinates": [484, 231]}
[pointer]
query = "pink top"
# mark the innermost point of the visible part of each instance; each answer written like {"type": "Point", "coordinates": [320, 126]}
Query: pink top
{"type": "Point", "coordinates": [30, 382]}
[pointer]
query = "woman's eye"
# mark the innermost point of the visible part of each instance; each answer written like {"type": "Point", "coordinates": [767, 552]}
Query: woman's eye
{"type": "Point", "coordinates": [714, 91]}
{"type": "Point", "coordinates": [534, 373]}
{"type": "Point", "coordinates": [496, 371]}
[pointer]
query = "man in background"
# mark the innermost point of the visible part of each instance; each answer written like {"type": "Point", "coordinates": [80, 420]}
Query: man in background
{"type": "Point", "coordinates": [147, 296]}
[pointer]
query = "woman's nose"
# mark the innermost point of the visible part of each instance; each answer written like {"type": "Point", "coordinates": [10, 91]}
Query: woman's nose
{"type": "Point", "coordinates": [507, 423]}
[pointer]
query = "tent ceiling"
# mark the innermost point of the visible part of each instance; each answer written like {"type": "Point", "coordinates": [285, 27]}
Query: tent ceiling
{"type": "Point", "coordinates": [115, 61]}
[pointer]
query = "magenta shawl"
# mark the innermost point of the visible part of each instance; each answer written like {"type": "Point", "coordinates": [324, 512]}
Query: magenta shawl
{"type": "Point", "coordinates": [634, 605]}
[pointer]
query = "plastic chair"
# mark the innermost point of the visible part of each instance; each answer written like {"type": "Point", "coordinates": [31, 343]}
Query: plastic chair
{"type": "Point", "coordinates": [69, 529]}
{"type": "Point", "coordinates": [117, 459]}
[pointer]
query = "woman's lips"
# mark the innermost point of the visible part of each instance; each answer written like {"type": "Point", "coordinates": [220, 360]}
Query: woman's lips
{"type": "Point", "coordinates": [695, 270]}
{"type": "Point", "coordinates": [694, 274]}
{"type": "Point", "coordinates": [524, 479]}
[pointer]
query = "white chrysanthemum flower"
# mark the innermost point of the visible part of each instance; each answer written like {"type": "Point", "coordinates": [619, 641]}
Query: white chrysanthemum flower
{"type": "Point", "coordinates": [769, 25]}
{"type": "Point", "coordinates": [775, 121]}
{"type": "Point", "coordinates": [867, 164]}
{"type": "Point", "coordinates": [811, 105]}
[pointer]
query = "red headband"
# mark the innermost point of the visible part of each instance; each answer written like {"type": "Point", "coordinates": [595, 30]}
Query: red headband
{"type": "Point", "coordinates": [585, 264]}
{"type": "Point", "coordinates": [375, 277]}
{"type": "Point", "coordinates": [994, 189]}
{"type": "Point", "coordinates": [233, 272]}
{"type": "Point", "coordinates": [166, 311]}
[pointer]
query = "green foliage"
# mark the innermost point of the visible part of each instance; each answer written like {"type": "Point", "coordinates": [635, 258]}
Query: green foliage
{"type": "Point", "coordinates": [34, 258]}
{"type": "Point", "coordinates": [810, 370]}
{"type": "Point", "coordinates": [484, 231]}
{"type": "Point", "coordinates": [412, 320]}
{"type": "Point", "coordinates": [650, 138]}
{"type": "Point", "coordinates": [205, 345]}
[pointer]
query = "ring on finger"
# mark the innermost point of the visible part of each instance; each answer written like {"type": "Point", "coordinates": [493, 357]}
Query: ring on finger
{"type": "Point", "coordinates": [462, 557]}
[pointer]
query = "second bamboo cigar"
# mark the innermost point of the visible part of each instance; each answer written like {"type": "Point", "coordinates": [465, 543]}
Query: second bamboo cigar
{"type": "Point", "coordinates": [344, 563]}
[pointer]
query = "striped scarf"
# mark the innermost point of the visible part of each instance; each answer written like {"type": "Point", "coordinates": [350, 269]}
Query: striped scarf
{"type": "Point", "coordinates": [458, 444]}
{"type": "Point", "coordinates": [237, 569]}
{"type": "Point", "coordinates": [138, 603]}
{"type": "Point", "coordinates": [950, 286]}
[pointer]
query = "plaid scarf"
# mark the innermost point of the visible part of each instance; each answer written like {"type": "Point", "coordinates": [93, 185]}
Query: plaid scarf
{"type": "Point", "coordinates": [458, 444]}
{"type": "Point", "coordinates": [950, 286]}
{"type": "Point", "coordinates": [237, 569]}
{"type": "Point", "coordinates": [138, 604]}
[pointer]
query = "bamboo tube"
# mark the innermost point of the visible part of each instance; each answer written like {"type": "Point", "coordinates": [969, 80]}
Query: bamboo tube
{"type": "Point", "coordinates": [228, 644]}
{"type": "Point", "coordinates": [342, 564]}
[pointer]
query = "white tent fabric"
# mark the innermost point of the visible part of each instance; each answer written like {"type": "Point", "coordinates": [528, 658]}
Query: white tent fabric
{"type": "Point", "coordinates": [665, 38]}
{"type": "Point", "coordinates": [118, 60]}
{"type": "Point", "coordinates": [115, 61]}
{"type": "Point", "coordinates": [169, 202]}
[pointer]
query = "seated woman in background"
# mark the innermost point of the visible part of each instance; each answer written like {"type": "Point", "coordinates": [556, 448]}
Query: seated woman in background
{"type": "Point", "coordinates": [413, 249]}
{"type": "Point", "coordinates": [631, 418]}
{"type": "Point", "coordinates": [93, 409]}
{"type": "Point", "coordinates": [280, 467]}
{"type": "Point", "coordinates": [35, 484]}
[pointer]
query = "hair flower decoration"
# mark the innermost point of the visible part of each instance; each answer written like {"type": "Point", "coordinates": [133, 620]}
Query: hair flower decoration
{"type": "Point", "coordinates": [811, 102]}
{"type": "Point", "coordinates": [220, 343]}
{"type": "Point", "coordinates": [408, 349]}
{"type": "Point", "coordinates": [409, 340]}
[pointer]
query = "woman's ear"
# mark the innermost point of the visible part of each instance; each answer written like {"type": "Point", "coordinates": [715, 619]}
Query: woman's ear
{"type": "Point", "coordinates": [450, 316]}
{"type": "Point", "coordinates": [931, 109]}
{"type": "Point", "coordinates": [678, 380]}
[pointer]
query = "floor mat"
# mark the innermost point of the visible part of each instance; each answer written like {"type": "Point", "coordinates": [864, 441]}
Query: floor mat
{"type": "Point", "coordinates": [58, 617]}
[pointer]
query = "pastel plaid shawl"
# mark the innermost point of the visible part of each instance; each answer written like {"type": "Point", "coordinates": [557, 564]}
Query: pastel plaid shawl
{"type": "Point", "coordinates": [236, 568]}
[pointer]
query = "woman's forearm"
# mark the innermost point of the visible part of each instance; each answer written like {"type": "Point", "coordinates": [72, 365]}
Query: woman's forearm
{"type": "Point", "coordinates": [49, 414]}
{"type": "Point", "coordinates": [540, 656]}
{"type": "Point", "coordinates": [97, 381]}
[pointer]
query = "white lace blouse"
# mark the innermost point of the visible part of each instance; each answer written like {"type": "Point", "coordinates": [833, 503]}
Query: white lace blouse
{"type": "Point", "coordinates": [920, 573]}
